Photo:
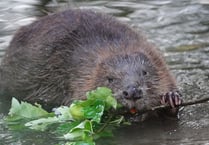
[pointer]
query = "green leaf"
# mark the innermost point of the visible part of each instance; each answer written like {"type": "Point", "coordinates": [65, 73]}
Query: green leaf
{"type": "Point", "coordinates": [99, 93]}
{"type": "Point", "coordinates": [25, 110]}
{"type": "Point", "coordinates": [65, 127]}
{"type": "Point", "coordinates": [82, 131]}
{"type": "Point", "coordinates": [42, 123]}
{"type": "Point", "coordinates": [104, 94]}
{"type": "Point", "coordinates": [111, 102]}
{"type": "Point", "coordinates": [77, 111]}
{"type": "Point", "coordinates": [63, 113]}
{"type": "Point", "coordinates": [80, 143]}
{"type": "Point", "coordinates": [94, 111]}
{"type": "Point", "coordinates": [77, 123]}
{"type": "Point", "coordinates": [85, 125]}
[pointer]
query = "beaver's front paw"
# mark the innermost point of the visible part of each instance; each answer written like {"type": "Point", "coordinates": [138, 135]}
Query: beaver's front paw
{"type": "Point", "coordinates": [173, 98]}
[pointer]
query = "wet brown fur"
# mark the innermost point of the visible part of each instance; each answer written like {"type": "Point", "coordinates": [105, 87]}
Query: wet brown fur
{"type": "Point", "coordinates": [59, 57]}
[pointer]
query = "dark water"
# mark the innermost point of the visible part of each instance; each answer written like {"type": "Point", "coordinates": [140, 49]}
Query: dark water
{"type": "Point", "coordinates": [180, 28]}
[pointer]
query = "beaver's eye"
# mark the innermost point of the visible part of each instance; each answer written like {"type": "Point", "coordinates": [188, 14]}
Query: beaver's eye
{"type": "Point", "coordinates": [144, 73]}
{"type": "Point", "coordinates": [110, 79]}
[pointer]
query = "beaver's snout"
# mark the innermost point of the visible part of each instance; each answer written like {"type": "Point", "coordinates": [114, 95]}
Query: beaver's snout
{"type": "Point", "coordinates": [132, 93]}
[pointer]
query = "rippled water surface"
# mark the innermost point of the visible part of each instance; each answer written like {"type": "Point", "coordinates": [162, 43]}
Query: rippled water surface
{"type": "Point", "coordinates": [180, 28]}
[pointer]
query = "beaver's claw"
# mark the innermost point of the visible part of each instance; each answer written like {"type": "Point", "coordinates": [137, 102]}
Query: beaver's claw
{"type": "Point", "coordinates": [172, 98]}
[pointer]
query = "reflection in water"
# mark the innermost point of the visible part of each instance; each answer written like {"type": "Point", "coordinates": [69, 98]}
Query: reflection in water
{"type": "Point", "coordinates": [179, 28]}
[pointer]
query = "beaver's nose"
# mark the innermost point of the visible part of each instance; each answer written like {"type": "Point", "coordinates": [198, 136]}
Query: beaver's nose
{"type": "Point", "coordinates": [132, 92]}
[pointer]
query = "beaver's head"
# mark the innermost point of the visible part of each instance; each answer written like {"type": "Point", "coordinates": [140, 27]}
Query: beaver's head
{"type": "Point", "coordinates": [130, 76]}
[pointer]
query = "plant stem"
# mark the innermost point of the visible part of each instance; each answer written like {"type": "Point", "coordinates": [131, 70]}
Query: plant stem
{"type": "Point", "coordinates": [193, 102]}
{"type": "Point", "coordinates": [105, 124]}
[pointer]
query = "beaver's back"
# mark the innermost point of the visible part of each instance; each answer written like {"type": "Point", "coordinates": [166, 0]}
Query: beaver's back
{"type": "Point", "coordinates": [54, 59]}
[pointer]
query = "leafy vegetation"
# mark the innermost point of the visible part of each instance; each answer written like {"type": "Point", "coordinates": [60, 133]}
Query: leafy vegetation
{"type": "Point", "coordinates": [79, 124]}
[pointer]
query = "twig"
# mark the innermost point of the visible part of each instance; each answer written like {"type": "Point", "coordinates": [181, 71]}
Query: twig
{"type": "Point", "coordinates": [105, 124]}
{"type": "Point", "coordinates": [193, 102]}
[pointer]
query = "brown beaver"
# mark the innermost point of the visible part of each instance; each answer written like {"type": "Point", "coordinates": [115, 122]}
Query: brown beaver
{"type": "Point", "coordinates": [60, 57]}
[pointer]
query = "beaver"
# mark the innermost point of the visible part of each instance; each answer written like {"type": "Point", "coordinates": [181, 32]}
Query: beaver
{"type": "Point", "coordinates": [60, 57]}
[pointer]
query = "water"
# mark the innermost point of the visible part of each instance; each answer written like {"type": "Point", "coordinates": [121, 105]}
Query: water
{"type": "Point", "coordinates": [180, 28]}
